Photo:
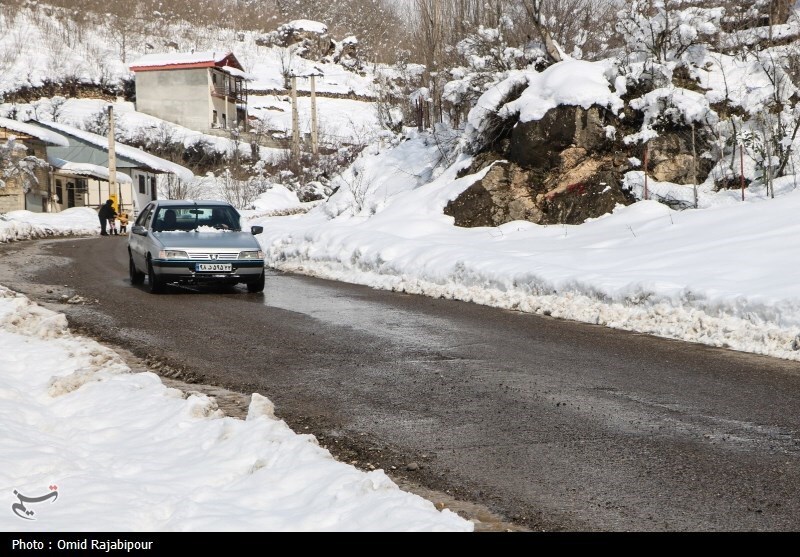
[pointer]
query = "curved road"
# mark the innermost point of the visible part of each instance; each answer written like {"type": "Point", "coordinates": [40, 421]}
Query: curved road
{"type": "Point", "coordinates": [553, 425]}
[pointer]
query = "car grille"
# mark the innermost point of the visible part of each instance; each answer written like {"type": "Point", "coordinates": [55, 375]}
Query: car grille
{"type": "Point", "coordinates": [204, 256]}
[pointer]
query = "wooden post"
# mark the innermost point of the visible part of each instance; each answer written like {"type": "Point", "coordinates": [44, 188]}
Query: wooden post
{"type": "Point", "coordinates": [295, 122]}
{"type": "Point", "coordinates": [694, 167]}
{"type": "Point", "coordinates": [644, 195]}
{"type": "Point", "coordinates": [314, 139]}
{"type": "Point", "coordinates": [112, 160]}
{"type": "Point", "coordinates": [226, 89]}
{"type": "Point", "coordinates": [741, 167]}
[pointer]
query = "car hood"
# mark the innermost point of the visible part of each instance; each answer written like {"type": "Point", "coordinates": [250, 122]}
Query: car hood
{"type": "Point", "coordinates": [207, 240]}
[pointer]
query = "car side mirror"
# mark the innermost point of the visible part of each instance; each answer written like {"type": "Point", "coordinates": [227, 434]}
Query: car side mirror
{"type": "Point", "coordinates": [140, 230]}
{"type": "Point", "coordinates": [256, 230]}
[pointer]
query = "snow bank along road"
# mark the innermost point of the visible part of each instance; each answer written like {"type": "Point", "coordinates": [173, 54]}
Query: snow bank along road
{"type": "Point", "coordinates": [553, 424]}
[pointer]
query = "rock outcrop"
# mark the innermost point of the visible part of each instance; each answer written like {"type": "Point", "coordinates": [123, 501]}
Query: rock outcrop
{"type": "Point", "coordinates": [309, 38]}
{"type": "Point", "coordinates": [560, 169]}
{"type": "Point", "coordinates": [671, 159]}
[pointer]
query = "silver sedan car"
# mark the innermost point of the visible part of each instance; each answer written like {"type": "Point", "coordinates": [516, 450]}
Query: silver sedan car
{"type": "Point", "coordinates": [194, 242]}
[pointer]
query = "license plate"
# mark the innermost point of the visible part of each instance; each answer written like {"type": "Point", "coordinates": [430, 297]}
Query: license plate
{"type": "Point", "coordinates": [223, 267]}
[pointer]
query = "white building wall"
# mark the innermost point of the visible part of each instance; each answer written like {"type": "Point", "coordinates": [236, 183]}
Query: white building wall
{"type": "Point", "coordinates": [144, 190]}
{"type": "Point", "coordinates": [178, 96]}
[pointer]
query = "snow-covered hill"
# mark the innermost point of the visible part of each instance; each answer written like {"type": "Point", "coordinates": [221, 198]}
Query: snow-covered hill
{"type": "Point", "coordinates": [39, 46]}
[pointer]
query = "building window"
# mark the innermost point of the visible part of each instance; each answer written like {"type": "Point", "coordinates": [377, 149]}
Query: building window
{"type": "Point", "coordinates": [142, 187]}
{"type": "Point", "coordinates": [213, 78]}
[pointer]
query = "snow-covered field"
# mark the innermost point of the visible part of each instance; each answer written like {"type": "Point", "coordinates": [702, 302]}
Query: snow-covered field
{"type": "Point", "coordinates": [24, 225]}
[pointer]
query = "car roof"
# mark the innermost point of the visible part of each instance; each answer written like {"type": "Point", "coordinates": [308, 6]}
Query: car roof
{"type": "Point", "coordinates": [184, 202]}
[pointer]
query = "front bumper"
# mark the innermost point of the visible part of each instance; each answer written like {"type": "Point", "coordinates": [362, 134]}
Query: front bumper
{"type": "Point", "coordinates": [183, 270]}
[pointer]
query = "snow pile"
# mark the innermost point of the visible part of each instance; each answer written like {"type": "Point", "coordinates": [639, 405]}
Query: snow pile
{"type": "Point", "coordinates": [670, 105]}
{"type": "Point", "coordinates": [307, 25]}
{"type": "Point", "coordinates": [24, 225]}
{"type": "Point", "coordinates": [125, 453]}
{"type": "Point", "coordinates": [277, 198]}
{"type": "Point", "coordinates": [571, 82]}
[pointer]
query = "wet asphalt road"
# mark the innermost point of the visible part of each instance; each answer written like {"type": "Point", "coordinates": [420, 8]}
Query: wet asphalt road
{"type": "Point", "coordinates": [555, 425]}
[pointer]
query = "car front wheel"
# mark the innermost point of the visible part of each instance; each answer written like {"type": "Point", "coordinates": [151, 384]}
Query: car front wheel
{"type": "Point", "coordinates": [155, 283]}
{"type": "Point", "coordinates": [257, 286]}
{"type": "Point", "coordinates": [137, 277]}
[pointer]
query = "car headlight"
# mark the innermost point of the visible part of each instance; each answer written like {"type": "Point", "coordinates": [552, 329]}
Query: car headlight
{"type": "Point", "coordinates": [251, 255]}
{"type": "Point", "coordinates": [172, 254]}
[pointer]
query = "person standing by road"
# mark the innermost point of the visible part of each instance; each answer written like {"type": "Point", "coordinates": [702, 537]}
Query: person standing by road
{"type": "Point", "coordinates": [123, 223]}
{"type": "Point", "coordinates": [105, 213]}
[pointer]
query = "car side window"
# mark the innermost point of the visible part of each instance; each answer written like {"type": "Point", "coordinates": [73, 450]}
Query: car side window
{"type": "Point", "coordinates": [144, 215]}
{"type": "Point", "coordinates": [148, 218]}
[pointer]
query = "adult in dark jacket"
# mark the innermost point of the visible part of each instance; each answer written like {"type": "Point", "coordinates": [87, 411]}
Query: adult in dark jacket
{"type": "Point", "coordinates": [106, 212]}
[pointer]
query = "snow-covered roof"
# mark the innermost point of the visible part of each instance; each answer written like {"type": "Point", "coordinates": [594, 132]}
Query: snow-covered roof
{"type": "Point", "coordinates": [42, 134]}
{"type": "Point", "coordinates": [86, 169]}
{"type": "Point", "coordinates": [147, 160]}
{"type": "Point", "coordinates": [312, 71]}
{"type": "Point", "coordinates": [235, 72]}
{"type": "Point", "coordinates": [181, 60]}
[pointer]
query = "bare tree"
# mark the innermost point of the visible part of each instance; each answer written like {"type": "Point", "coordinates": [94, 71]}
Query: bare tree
{"type": "Point", "coordinates": [536, 14]}
{"type": "Point", "coordinates": [170, 186]}
{"type": "Point", "coordinates": [16, 167]}
{"type": "Point", "coordinates": [664, 31]}
{"type": "Point", "coordinates": [240, 191]}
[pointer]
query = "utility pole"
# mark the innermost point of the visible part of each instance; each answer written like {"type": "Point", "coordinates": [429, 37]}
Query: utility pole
{"type": "Point", "coordinates": [112, 160]}
{"type": "Point", "coordinates": [741, 167]}
{"type": "Point", "coordinates": [314, 138]}
{"type": "Point", "coordinates": [295, 122]}
{"type": "Point", "coordinates": [645, 171]}
{"type": "Point", "coordinates": [694, 167]}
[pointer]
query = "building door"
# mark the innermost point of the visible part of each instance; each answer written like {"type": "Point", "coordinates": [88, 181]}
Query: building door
{"type": "Point", "coordinates": [70, 195]}
{"type": "Point", "coordinates": [59, 193]}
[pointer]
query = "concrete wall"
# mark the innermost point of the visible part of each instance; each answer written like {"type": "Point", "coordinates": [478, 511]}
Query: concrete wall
{"type": "Point", "coordinates": [177, 96]}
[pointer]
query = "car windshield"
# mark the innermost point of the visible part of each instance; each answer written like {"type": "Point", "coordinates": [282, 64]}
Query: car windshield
{"type": "Point", "coordinates": [194, 217]}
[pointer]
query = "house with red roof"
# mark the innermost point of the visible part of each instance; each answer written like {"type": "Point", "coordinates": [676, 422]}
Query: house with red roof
{"type": "Point", "coordinates": [199, 90]}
